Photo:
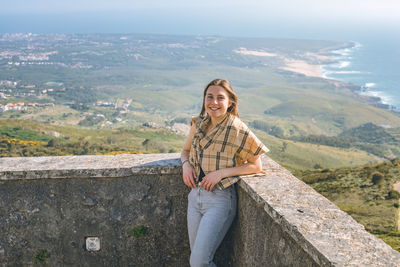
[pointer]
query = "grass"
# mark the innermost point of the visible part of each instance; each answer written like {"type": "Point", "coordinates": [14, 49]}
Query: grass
{"type": "Point", "coordinates": [78, 140]}
{"type": "Point", "coordinates": [41, 256]}
{"type": "Point", "coordinates": [302, 156]}
{"type": "Point", "coordinates": [18, 133]}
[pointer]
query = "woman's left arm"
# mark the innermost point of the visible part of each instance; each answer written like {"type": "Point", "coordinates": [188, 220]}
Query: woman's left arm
{"type": "Point", "coordinates": [253, 165]}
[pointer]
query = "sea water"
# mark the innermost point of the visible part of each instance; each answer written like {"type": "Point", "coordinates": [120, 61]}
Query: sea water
{"type": "Point", "coordinates": [374, 64]}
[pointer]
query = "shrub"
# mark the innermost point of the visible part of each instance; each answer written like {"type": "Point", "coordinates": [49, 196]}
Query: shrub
{"type": "Point", "coordinates": [317, 166]}
{"type": "Point", "coordinates": [310, 179]}
{"type": "Point", "coordinates": [377, 178]}
{"type": "Point", "coordinates": [330, 176]}
{"type": "Point", "coordinates": [393, 194]}
{"type": "Point", "coordinates": [261, 125]}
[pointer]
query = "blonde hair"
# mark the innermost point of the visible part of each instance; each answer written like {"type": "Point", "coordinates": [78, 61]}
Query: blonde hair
{"type": "Point", "coordinates": [233, 108]}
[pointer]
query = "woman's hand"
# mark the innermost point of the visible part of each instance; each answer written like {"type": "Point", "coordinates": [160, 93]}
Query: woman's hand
{"type": "Point", "coordinates": [210, 180]}
{"type": "Point", "coordinates": [189, 175]}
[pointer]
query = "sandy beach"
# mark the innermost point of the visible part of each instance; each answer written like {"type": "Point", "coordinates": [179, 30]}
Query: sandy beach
{"type": "Point", "coordinates": [244, 51]}
{"type": "Point", "coordinates": [301, 66]}
{"type": "Point", "coordinates": [298, 66]}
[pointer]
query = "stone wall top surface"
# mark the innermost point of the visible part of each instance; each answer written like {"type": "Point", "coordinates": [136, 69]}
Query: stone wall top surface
{"type": "Point", "coordinates": [87, 166]}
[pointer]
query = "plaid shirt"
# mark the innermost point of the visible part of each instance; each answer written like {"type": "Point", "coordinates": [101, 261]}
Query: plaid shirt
{"type": "Point", "coordinates": [230, 143]}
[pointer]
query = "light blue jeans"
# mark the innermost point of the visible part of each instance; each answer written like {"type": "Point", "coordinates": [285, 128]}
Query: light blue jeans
{"type": "Point", "coordinates": [209, 216]}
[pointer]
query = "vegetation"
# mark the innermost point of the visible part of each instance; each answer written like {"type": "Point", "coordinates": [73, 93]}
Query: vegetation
{"type": "Point", "coordinates": [35, 139]}
{"type": "Point", "coordinates": [18, 133]}
{"type": "Point", "coordinates": [367, 137]}
{"type": "Point", "coordinates": [41, 256]}
{"type": "Point", "coordinates": [139, 231]}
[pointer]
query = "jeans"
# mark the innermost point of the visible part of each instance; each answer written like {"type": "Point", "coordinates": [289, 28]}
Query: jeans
{"type": "Point", "coordinates": [209, 217]}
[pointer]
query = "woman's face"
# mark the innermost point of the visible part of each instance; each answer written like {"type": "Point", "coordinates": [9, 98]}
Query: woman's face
{"type": "Point", "coordinates": [216, 101]}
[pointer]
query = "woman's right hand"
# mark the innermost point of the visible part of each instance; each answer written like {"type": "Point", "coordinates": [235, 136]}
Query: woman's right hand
{"type": "Point", "coordinates": [189, 174]}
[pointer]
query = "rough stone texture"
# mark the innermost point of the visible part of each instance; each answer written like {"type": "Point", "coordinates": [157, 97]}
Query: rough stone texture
{"type": "Point", "coordinates": [53, 203]}
{"type": "Point", "coordinates": [87, 166]}
{"type": "Point", "coordinates": [269, 245]}
{"type": "Point", "coordinates": [57, 214]}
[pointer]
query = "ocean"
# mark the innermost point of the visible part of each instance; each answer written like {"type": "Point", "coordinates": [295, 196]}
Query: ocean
{"type": "Point", "coordinates": [373, 64]}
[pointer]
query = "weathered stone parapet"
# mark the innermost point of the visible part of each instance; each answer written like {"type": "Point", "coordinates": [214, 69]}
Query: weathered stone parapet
{"type": "Point", "coordinates": [329, 235]}
{"type": "Point", "coordinates": [87, 166]}
{"type": "Point", "coordinates": [52, 203]}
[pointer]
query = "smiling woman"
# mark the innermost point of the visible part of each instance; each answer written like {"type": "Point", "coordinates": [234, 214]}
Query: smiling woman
{"type": "Point", "coordinates": [219, 147]}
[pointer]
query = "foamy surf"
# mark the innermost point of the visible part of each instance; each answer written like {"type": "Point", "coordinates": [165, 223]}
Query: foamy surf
{"type": "Point", "coordinates": [385, 99]}
{"type": "Point", "coordinates": [343, 64]}
{"type": "Point", "coordinates": [327, 74]}
{"type": "Point", "coordinates": [369, 85]}
{"type": "Point", "coordinates": [347, 72]}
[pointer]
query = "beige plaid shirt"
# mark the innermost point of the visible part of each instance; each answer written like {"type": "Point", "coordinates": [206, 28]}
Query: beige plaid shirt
{"type": "Point", "coordinates": [230, 143]}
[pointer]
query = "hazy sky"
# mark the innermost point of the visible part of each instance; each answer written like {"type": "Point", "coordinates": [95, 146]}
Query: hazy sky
{"type": "Point", "coordinates": [358, 9]}
{"type": "Point", "coordinates": [202, 17]}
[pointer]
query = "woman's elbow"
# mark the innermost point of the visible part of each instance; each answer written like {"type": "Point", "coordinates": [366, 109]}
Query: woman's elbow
{"type": "Point", "coordinates": [257, 165]}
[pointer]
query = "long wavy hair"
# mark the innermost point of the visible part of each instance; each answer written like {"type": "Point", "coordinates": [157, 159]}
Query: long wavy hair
{"type": "Point", "coordinates": [233, 108]}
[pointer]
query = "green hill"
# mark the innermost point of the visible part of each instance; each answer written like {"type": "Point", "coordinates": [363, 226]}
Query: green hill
{"type": "Point", "coordinates": [27, 138]}
{"type": "Point", "coordinates": [368, 137]}
{"type": "Point", "coordinates": [370, 133]}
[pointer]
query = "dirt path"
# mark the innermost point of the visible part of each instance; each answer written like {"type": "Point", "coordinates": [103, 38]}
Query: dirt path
{"type": "Point", "coordinates": [396, 187]}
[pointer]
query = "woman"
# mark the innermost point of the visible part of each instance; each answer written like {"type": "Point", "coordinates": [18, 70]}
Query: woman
{"type": "Point", "coordinates": [219, 147]}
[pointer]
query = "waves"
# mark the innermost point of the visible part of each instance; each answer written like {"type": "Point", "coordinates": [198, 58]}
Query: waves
{"type": "Point", "coordinates": [343, 64]}
{"type": "Point", "coordinates": [368, 90]}
{"type": "Point", "coordinates": [342, 60]}
{"type": "Point", "coordinates": [349, 65]}
{"type": "Point", "coordinates": [369, 85]}
{"type": "Point", "coordinates": [327, 72]}
{"type": "Point", "coordinates": [384, 98]}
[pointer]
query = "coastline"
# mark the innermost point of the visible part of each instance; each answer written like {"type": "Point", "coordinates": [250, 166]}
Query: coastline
{"type": "Point", "coordinates": [312, 64]}
{"type": "Point", "coordinates": [315, 64]}
{"type": "Point", "coordinates": [341, 60]}
{"type": "Point", "coordinates": [329, 58]}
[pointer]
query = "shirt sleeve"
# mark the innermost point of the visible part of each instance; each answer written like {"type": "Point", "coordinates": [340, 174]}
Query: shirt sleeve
{"type": "Point", "coordinates": [249, 145]}
{"type": "Point", "coordinates": [195, 121]}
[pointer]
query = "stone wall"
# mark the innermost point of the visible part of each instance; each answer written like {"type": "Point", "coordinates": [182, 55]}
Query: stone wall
{"type": "Point", "coordinates": [49, 205]}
